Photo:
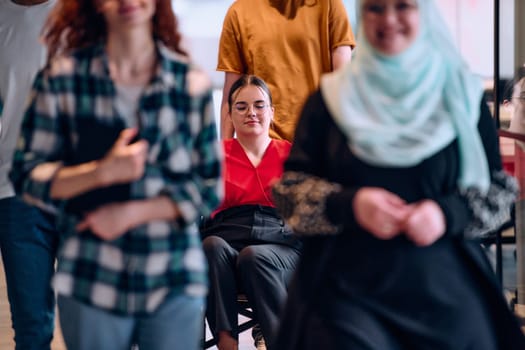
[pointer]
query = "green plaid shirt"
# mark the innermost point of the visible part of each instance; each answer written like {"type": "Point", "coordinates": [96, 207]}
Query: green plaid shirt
{"type": "Point", "coordinates": [131, 275]}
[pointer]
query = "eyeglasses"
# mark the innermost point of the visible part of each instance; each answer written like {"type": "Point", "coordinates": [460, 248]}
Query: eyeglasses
{"type": "Point", "coordinates": [243, 107]}
{"type": "Point", "coordinates": [400, 7]}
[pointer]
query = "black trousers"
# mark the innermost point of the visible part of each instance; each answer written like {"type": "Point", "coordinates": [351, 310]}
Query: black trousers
{"type": "Point", "coordinates": [261, 270]}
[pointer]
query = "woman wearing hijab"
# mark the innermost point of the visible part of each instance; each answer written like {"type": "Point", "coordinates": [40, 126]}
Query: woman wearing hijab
{"type": "Point", "coordinates": [395, 170]}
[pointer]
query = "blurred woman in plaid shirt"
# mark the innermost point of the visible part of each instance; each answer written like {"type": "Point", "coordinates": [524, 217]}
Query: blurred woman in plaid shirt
{"type": "Point", "coordinates": [120, 141]}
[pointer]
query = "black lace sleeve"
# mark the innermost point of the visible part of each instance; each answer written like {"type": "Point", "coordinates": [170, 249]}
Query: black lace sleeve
{"type": "Point", "coordinates": [301, 199]}
{"type": "Point", "coordinates": [490, 211]}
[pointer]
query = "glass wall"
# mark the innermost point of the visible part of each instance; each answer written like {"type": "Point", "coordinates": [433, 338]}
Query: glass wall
{"type": "Point", "coordinates": [472, 26]}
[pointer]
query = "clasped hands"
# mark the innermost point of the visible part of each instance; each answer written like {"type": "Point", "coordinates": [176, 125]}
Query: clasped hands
{"type": "Point", "coordinates": [385, 215]}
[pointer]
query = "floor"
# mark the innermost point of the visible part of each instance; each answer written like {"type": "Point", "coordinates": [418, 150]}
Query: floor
{"type": "Point", "coordinates": [245, 341]}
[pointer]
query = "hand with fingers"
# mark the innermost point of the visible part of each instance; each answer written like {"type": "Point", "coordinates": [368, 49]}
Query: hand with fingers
{"type": "Point", "coordinates": [108, 222]}
{"type": "Point", "coordinates": [380, 212]}
{"type": "Point", "coordinates": [125, 161]}
{"type": "Point", "coordinates": [425, 223]}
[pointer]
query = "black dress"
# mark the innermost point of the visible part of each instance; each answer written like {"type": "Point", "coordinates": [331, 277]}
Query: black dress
{"type": "Point", "coordinates": [353, 291]}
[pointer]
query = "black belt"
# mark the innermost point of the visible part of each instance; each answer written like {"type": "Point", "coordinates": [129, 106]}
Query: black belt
{"type": "Point", "coordinates": [245, 210]}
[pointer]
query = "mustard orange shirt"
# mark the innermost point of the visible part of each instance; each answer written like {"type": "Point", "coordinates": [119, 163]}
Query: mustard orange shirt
{"type": "Point", "coordinates": [246, 184]}
{"type": "Point", "coordinates": [289, 54]}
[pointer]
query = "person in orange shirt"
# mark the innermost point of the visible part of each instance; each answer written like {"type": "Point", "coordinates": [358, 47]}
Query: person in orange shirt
{"type": "Point", "coordinates": [249, 249]}
{"type": "Point", "coordinates": [289, 44]}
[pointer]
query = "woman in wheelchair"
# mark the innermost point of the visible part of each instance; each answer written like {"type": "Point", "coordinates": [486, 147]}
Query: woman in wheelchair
{"type": "Point", "coordinates": [249, 248]}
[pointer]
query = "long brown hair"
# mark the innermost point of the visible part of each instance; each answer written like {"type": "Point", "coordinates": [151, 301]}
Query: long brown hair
{"type": "Point", "coordinates": [74, 24]}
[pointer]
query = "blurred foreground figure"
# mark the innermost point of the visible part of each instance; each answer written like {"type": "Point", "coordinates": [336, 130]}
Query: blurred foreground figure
{"type": "Point", "coordinates": [394, 172]}
{"type": "Point", "coordinates": [120, 140]}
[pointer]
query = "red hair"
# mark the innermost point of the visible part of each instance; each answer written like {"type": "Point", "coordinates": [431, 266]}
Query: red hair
{"type": "Point", "coordinates": [74, 24]}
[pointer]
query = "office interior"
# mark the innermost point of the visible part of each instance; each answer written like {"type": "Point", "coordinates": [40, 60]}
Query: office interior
{"type": "Point", "coordinates": [472, 24]}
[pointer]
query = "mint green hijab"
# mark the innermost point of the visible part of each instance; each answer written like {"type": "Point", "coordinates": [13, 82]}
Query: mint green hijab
{"type": "Point", "coordinates": [399, 110]}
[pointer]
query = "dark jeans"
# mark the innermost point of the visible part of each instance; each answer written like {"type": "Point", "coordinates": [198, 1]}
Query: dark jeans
{"type": "Point", "coordinates": [28, 242]}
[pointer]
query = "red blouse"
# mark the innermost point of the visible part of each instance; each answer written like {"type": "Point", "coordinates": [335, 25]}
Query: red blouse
{"type": "Point", "coordinates": [246, 184]}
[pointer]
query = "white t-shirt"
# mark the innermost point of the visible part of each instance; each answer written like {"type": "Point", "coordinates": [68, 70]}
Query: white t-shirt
{"type": "Point", "coordinates": [21, 56]}
{"type": "Point", "coordinates": [127, 103]}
